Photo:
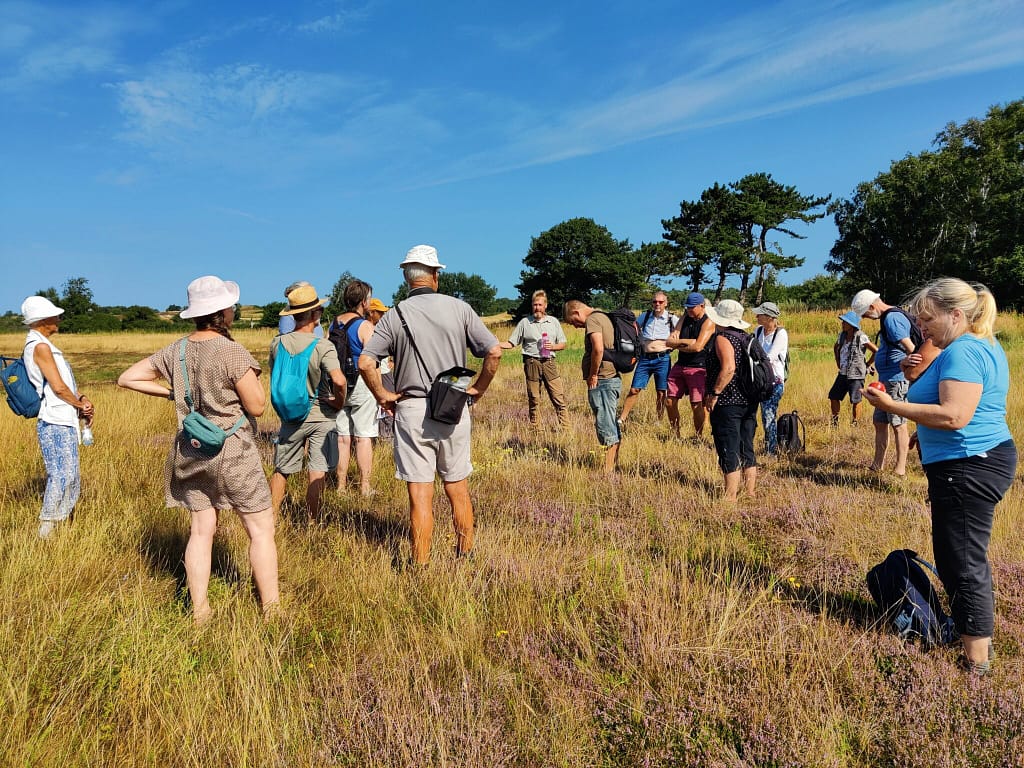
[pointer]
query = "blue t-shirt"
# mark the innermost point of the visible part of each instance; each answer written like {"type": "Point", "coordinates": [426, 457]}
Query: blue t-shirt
{"type": "Point", "coordinates": [896, 326]}
{"type": "Point", "coordinates": [976, 361]}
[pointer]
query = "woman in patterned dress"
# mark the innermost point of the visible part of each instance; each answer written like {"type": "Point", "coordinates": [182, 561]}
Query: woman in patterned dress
{"type": "Point", "coordinates": [223, 378]}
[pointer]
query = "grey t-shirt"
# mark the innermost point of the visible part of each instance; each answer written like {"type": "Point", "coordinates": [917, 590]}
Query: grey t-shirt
{"type": "Point", "coordinates": [529, 330]}
{"type": "Point", "coordinates": [443, 327]}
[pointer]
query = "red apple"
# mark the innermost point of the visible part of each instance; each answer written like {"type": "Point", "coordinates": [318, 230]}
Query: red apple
{"type": "Point", "coordinates": [877, 385]}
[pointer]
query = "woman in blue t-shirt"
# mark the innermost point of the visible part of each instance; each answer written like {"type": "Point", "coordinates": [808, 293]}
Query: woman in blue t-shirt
{"type": "Point", "coordinates": [959, 404]}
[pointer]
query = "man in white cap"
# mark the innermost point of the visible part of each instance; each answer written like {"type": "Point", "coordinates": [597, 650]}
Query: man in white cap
{"type": "Point", "coordinates": [426, 334]}
{"type": "Point", "coordinates": [895, 343]}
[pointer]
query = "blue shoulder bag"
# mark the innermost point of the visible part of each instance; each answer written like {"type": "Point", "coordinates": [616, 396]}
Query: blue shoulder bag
{"type": "Point", "coordinates": [201, 433]}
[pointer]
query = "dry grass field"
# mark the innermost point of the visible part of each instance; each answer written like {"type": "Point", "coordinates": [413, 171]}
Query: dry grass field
{"type": "Point", "coordinates": [631, 622]}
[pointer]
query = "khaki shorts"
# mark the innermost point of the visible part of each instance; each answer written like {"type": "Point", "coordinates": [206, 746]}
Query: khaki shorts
{"type": "Point", "coordinates": [359, 416]}
{"type": "Point", "coordinates": [897, 391]}
{"type": "Point", "coordinates": [292, 442]}
{"type": "Point", "coordinates": [424, 447]}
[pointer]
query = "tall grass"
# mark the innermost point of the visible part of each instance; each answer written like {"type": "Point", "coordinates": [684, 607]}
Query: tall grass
{"type": "Point", "coordinates": [613, 623]}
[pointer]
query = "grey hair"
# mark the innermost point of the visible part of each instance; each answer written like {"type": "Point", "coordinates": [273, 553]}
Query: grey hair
{"type": "Point", "coordinates": [414, 272]}
{"type": "Point", "coordinates": [293, 286]}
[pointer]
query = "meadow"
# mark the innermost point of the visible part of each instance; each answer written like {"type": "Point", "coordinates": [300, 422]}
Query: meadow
{"type": "Point", "coordinates": [625, 622]}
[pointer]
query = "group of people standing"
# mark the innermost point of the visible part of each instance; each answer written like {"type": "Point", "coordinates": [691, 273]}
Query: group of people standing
{"type": "Point", "coordinates": [952, 382]}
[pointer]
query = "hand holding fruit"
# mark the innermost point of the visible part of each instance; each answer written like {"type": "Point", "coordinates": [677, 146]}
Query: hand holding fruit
{"type": "Point", "coordinates": [877, 396]}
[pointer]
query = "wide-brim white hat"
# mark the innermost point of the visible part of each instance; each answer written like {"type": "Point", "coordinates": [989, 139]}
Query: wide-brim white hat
{"type": "Point", "coordinates": [36, 308]}
{"type": "Point", "coordinates": [422, 254]}
{"type": "Point", "coordinates": [728, 314]}
{"type": "Point", "coordinates": [210, 294]}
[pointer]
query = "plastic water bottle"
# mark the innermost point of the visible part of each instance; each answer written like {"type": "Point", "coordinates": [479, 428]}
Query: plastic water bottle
{"type": "Point", "coordinates": [545, 353]}
{"type": "Point", "coordinates": [87, 438]}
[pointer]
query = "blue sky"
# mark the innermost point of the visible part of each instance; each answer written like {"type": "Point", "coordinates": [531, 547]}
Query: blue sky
{"type": "Point", "coordinates": [145, 144]}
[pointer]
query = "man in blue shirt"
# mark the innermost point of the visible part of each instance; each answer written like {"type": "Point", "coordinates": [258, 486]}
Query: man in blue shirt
{"type": "Point", "coordinates": [894, 344]}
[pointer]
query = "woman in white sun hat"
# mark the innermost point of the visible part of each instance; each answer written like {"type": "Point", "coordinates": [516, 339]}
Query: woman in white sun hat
{"type": "Point", "coordinates": [733, 417]}
{"type": "Point", "coordinates": [222, 378]}
{"type": "Point", "coordinates": [60, 408]}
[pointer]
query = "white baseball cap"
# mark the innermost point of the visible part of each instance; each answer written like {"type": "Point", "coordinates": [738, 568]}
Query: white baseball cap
{"type": "Point", "coordinates": [210, 294]}
{"type": "Point", "coordinates": [422, 254]}
{"type": "Point", "coordinates": [36, 308]}
{"type": "Point", "coordinates": [863, 300]}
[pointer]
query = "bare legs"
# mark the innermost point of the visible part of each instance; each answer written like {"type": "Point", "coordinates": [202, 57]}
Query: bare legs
{"type": "Point", "coordinates": [262, 557]}
{"type": "Point", "coordinates": [627, 405]}
{"type": "Point", "coordinates": [747, 477]}
{"type": "Point", "coordinates": [902, 435]}
{"type": "Point", "coordinates": [696, 409]}
{"type": "Point", "coordinates": [421, 517]}
{"type": "Point", "coordinates": [364, 461]}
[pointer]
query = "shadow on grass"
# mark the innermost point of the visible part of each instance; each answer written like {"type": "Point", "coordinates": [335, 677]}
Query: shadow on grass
{"type": "Point", "coordinates": [163, 548]}
{"type": "Point", "coordinates": [30, 489]}
{"type": "Point", "coordinates": [388, 533]}
{"type": "Point", "coordinates": [841, 473]}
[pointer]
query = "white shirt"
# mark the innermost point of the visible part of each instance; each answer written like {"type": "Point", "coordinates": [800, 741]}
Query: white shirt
{"type": "Point", "coordinates": [776, 346]}
{"type": "Point", "coordinates": [52, 409]}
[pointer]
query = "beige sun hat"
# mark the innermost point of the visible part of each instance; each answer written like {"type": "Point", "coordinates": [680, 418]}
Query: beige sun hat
{"type": "Point", "coordinates": [210, 294]}
{"type": "Point", "coordinates": [303, 299]}
{"type": "Point", "coordinates": [422, 254]}
{"type": "Point", "coordinates": [728, 314]}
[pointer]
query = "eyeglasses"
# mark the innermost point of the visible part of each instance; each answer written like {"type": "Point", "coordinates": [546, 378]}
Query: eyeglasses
{"type": "Point", "coordinates": [658, 301]}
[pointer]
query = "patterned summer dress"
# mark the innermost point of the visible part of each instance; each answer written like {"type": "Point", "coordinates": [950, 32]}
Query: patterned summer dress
{"type": "Point", "coordinates": [234, 478]}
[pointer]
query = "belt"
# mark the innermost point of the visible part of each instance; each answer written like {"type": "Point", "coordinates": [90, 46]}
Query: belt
{"type": "Point", "coordinates": [654, 355]}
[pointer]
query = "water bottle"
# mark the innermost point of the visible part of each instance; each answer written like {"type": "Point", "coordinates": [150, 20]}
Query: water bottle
{"type": "Point", "coordinates": [87, 438]}
{"type": "Point", "coordinates": [545, 353]}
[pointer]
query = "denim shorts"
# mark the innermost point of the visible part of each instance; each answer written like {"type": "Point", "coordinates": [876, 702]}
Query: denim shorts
{"type": "Point", "coordinates": [646, 367]}
{"type": "Point", "coordinates": [604, 402]}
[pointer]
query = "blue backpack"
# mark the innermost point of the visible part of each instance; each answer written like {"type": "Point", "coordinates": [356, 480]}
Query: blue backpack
{"type": "Point", "coordinates": [902, 589]}
{"type": "Point", "coordinates": [22, 395]}
{"type": "Point", "coordinates": [288, 392]}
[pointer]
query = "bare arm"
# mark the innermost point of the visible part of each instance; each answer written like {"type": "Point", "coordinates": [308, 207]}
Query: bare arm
{"type": "Point", "coordinates": [490, 367]}
{"type": "Point", "coordinates": [916, 363]}
{"type": "Point", "coordinates": [251, 394]}
{"type": "Point", "coordinates": [371, 375]}
{"type": "Point", "coordinates": [596, 357]}
{"type": "Point", "coordinates": [143, 377]}
{"type": "Point", "coordinates": [707, 330]}
{"type": "Point", "coordinates": [727, 358]}
{"type": "Point", "coordinates": [958, 401]}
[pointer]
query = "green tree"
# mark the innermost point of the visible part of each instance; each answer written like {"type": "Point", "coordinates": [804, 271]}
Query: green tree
{"type": "Point", "coordinates": [271, 314]}
{"type": "Point", "coordinates": [574, 259]}
{"type": "Point", "coordinates": [336, 306]}
{"type": "Point", "coordinates": [472, 289]}
{"type": "Point", "coordinates": [953, 210]}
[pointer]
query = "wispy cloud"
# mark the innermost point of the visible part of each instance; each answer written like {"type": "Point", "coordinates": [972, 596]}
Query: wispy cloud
{"type": "Point", "coordinates": [242, 215]}
{"type": "Point", "coordinates": [772, 62]}
{"type": "Point", "coordinates": [516, 39]}
{"type": "Point", "coordinates": [343, 18]}
{"type": "Point", "coordinates": [43, 43]}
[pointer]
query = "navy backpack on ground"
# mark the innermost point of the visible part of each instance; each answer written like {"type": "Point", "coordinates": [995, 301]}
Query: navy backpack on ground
{"type": "Point", "coordinates": [791, 434]}
{"type": "Point", "coordinates": [21, 393]}
{"type": "Point", "coordinates": [902, 589]}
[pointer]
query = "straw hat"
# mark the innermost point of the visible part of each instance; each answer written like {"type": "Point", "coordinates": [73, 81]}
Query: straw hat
{"type": "Point", "coordinates": [303, 299]}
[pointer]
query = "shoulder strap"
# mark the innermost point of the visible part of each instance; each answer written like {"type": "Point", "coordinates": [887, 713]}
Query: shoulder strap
{"type": "Point", "coordinates": [184, 374]}
{"type": "Point", "coordinates": [646, 319]}
{"type": "Point", "coordinates": [412, 342]}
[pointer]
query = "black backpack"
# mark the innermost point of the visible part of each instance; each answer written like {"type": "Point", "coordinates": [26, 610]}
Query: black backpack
{"type": "Point", "coordinates": [338, 336]}
{"type": "Point", "coordinates": [901, 588]}
{"type": "Point", "coordinates": [791, 433]}
{"type": "Point", "coordinates": [916, 337]}
{"type": "Point", "coordinates": [623, 350]}
{"type": "Point", "coordinates": [755, 376]}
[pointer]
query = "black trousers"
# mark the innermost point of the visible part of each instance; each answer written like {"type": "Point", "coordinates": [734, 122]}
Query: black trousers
{"type": "Point", "coordinates": [964, 494]}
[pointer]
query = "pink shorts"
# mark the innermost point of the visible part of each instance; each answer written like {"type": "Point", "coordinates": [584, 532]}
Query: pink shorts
{"type": "Point", "coordinates": [690, 380]}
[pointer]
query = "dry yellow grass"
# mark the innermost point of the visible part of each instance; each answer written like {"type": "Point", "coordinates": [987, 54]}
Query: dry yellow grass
{"type": "Point", "coordinates": [602, 623]}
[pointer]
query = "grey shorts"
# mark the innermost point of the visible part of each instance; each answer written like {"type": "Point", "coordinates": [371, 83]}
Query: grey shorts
{"type": "Point", "coordinates": [424, 447]}
{"type": "Point", "coordinates": [897, 391]}
{"type": "Point", "coordinates": [359, 416]}
{"type": "Point", "coordinates": [319, 437]}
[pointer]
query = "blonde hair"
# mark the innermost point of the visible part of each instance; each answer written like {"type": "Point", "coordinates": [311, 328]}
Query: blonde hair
{"type": "Point", "coordinates": [973, 299]}
{"type": "Point", "coordinates": [572, 305]}
{"type": "Point", "coordinates": [541, 294]}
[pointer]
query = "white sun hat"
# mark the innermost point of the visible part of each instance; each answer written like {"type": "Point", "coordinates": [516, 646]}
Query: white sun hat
{"type": "Point", "coordinates": [422, 254]}
{"type": "Point", "coordinates": [728, 314]}
{"type": "Point", "coordinates": [863, 300]}
{"type": "Point", "coordinates": [210, 294]}
{"type": "Point", "coordinates": [36, 308]}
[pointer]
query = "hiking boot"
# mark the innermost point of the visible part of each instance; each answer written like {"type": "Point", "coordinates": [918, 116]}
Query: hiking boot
{"type": "Point", "coordinates": [622, 426]}
{"type": "Point", "coordinates": [835, 422]}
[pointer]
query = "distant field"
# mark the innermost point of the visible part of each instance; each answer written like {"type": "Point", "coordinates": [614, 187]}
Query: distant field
{"type": "Point", "coordinates": [623, 623]}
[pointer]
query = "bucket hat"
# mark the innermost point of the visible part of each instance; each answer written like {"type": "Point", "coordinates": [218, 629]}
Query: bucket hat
{"type": "Point", "coordinates": [303, 299]}
{"type": "Point", "coordinates": [729, 314]}
{"type": "Point", "coordinates": [769, 308]}
{"type": "Point", "coordinates": [852, 318]}
{"type": "Point", "coordinates": [422, 254]}
{"type": "Point", "coordinates": [36, 308]}
{"type": "Point", "coordinates": [863, 300]}
{"type": "Point", "coordinates": [694, 300]}
{"type": "Point", "coordinates": [210, 294]}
